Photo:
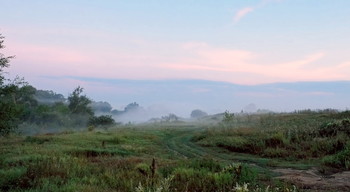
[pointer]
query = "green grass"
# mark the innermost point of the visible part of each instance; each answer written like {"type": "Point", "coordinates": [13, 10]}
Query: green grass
{"type": "Point", "coordinates": [290, 137]}
{"type": "Point", "coordinates": [188, 158]}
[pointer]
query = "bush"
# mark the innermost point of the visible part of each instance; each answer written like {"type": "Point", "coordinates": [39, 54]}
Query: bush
{"type": "Point", "coordinates": [103, 120]}
{"type": "Point", "coordinates": [276, 140]}
{"type": "Point", "coordinates": [228, 117]}
{"type": "Point", "coordinates": [341, 160]}
{"type": "Point", "coordinates": [334, 128]}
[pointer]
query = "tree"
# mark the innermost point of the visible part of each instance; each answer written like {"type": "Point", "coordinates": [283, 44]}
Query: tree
{"type": "Point", "coordinates": [132, 107]}
{"type": "Point", "coordinates": [9, 110]}
{"type": "Point", "coordinates": [170, 118]}
{"type": "Point", "coordinates": [4, 61]}
{"type": "Point", "coordinates": [228, 117]}
{"type": "Point", "coordinates": [102, 107]}
{"type": "Point", "coordinates": [48, 97]}
{"type": "Point", "coordinates": [198, 114]}
{"type": "Point", "coordinates": [78, 103]}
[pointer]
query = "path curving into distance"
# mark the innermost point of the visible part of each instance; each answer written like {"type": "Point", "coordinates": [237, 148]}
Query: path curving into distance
{"type": "Point", "coordinates": [178, 143]}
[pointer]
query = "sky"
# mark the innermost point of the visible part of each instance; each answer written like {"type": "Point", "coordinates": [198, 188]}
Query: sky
{"type": "Point", "coordinates": [245, 42]}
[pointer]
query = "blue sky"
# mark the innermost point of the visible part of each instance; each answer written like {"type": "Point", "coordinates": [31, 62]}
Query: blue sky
{"type": "Point", "coordinates": [246, 42]}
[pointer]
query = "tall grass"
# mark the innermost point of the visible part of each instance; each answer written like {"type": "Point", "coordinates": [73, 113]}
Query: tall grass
{"type": "Point", "coordinates": [285, 136]}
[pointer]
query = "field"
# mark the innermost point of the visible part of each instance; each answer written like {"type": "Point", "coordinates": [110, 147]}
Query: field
{"type": "Point", "coordinates": [306, 151]}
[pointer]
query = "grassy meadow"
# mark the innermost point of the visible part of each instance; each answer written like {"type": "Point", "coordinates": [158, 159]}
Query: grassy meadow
{"type": "Point", "coordinates": [234, 155]}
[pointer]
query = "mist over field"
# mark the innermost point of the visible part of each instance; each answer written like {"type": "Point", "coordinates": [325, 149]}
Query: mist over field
{"type": "Point", "coordinates": [161, 97]}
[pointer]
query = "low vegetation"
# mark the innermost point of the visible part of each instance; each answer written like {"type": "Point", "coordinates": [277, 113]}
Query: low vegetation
{"type": "Point", "coordinates": [121, 159]}
{"type": "Point", "coordinates": [292, 137]}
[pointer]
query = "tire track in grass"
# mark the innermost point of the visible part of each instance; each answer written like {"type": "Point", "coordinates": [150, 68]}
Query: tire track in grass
{"type": "Point", "coordinates": [179, 143]}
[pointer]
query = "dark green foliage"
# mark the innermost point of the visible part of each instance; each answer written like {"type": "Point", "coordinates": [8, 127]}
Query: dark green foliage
{"type": "Point", "coordinates": [54, 115]}
{"type": "Point", "coordinates": [9, 117]}
{"type": "Point", "coordinates": [340, 160]}
{"type": "Point", "coordinates": [101, 107]}
{"type": "Point", "coordinates": [49, 97]}
{"type": "Point", "coordinates": [4, 61]}
{"type": "Point", "coordinates": [16, 98]}
{"type": "Point", "coordinates": [334, 128]}
{"type": "Point", "coordinates": [9, 112]}
{"type": "Point", "coordinates": [16, 104]}
{"type": "Point", "coordinates": [103, 120]}
{"type": "Point", "coordinates": [228, 117]}
{"type": "Point", "coordinates": [78, 103]}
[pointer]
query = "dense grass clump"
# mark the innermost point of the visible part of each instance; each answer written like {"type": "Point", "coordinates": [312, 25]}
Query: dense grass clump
{"type": "Point", "coordinates": [285, 136]}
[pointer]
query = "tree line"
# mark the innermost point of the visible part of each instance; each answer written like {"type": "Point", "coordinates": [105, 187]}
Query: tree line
{"type": "Point", "coordinates": [22, 103]}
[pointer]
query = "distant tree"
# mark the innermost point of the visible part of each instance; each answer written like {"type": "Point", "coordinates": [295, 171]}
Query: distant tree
{"type": "Point", "coordinates": [24, 98]}
{"type": "Point", "coordinates": [103, 107]}
{"type": "Point", "coordinates": [170, 118]}
{"type": "Point", "coordinates": [48, 97]}
{"type": "Point", "coordinates": [131, 107]}
{"type": "Point", "coordinates": [116, 112]}
{"type": "Point", "coordinates": [228, 117]}
{"type": "Point", "coordinates": [60, 107]}
{"type": "Point", "coordinates": [198, 114]}
{"type": "Point", "coordinates": [78, 103]}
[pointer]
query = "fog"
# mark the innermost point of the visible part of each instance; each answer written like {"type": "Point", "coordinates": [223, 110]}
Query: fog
{"type": "Point", "coordinates": [173, 100]}
{"type": "Point", "coordinates": [180, 97]}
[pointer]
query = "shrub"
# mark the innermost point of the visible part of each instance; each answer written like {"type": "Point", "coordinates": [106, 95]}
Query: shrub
{"type": "Point", "coordinates": [276, 140]}
{"type": "Point", "coordinates": [333, 128]}
{"type": "Point", "coordinates": [103, 120]}
{"type": "Point", "coordinates": [228, 117]}
{"type": "Point", "coordinates": [340, 160]}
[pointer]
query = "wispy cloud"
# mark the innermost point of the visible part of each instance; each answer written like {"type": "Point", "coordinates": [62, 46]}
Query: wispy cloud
{"type": "Point", "coordinates": [246, 67]}
{"type": "Point", "coordinates": [246, 10]}
{"type": "Point", "coordinates": [169, 60]}
{"type": "Point", "coordinates": [241, 13]}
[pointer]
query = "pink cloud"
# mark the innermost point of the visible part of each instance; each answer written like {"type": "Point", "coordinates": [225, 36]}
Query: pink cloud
{"type": "Point", "coordinates": [245, 67]}
{"type": "Point", "coordinates": [191, 60]}
{"type": "Point", "coordinates": [241, 13]}
{"type": "Point", "coordinates": [36, 60]}
{"type": "Point", "coordinates": [244, 11]}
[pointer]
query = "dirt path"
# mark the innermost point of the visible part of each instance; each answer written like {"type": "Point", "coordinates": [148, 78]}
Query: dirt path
{"type": "Point", "coordinates": [312, 180]}
{"type": "Point", "coordinates": [180, 145]}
